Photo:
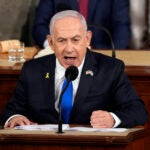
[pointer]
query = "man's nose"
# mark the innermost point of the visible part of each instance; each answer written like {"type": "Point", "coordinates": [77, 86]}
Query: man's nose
{"type": "Point", "coordinates": [69, 46]}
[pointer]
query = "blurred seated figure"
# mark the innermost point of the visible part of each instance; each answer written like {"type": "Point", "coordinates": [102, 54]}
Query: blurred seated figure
{"type": "Point", "coordinates": [113, 15]}
{"type": "Point", "coordinates": [139, 24]}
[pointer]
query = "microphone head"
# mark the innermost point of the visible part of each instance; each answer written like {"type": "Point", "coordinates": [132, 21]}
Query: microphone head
{"type": "Point", "coordinates": [71, 73]}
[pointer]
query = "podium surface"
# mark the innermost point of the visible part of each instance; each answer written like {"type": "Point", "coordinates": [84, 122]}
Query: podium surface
{"type": "Point", "coordinates": [132, 139]}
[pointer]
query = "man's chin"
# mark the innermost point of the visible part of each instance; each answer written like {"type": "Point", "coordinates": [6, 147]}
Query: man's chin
{"type": "Point", "coordinates": [68, 65]}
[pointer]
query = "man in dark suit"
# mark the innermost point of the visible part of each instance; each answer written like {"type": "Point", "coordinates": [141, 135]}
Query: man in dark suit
{"type": "Point", "coordinates": [103, 97]}
{"type": "Point", "coordinates": [111, 14]}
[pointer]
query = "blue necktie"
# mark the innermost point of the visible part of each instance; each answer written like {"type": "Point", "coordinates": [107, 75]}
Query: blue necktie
{"type": "Point", "coordinates": [67, 101]}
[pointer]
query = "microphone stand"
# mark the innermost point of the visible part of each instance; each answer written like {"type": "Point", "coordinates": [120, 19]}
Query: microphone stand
{"type": "Point", "coordinates": [59, 108]}
{"type": "Point", "coordinates": [109, 35]}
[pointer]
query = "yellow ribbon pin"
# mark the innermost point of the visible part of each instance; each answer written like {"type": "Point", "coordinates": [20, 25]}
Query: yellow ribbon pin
{"type": "Point", "coordinates": [47, 75]}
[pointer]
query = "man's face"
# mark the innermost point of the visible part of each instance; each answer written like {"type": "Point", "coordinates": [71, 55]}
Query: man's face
{"type": "Point", "coordinates": [69, 41]}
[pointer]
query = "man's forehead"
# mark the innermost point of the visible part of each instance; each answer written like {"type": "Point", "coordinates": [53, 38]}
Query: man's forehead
{"type": "Point", "coordinates": [68, 22]}
{"type": "Point", "coordinates": [68, 34]}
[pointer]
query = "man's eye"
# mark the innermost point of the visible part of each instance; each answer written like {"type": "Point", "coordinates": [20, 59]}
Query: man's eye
{"type": "Point", "coordinates": [61, 40]}
{"type": "Point", "coordinates": [76, 40]}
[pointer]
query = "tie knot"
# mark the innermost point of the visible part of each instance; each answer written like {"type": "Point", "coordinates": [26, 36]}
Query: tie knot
{"type": "Point", "coordinates": [65, 84]}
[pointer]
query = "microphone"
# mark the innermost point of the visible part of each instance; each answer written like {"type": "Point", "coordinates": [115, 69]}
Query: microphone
{"type": "Point", "coordinates": [109, 35]}
{"type": "Point", "coordinates": [71, 74]}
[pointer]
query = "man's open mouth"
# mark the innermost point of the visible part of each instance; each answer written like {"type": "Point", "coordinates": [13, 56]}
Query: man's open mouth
{"type": "Point", "coordinates": [69, 58]}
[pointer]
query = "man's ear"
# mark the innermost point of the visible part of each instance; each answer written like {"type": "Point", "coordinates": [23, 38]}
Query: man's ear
{"type": "Point", "coordinates": [89, 36]}
{"type": "Point", "coordinates": [50, 41]}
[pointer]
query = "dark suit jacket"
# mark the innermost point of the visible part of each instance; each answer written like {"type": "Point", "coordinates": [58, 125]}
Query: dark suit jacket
{"type": "Point", "coordinates": [111, 14]}
{"type": "Point", "coordinates": [108, 89]}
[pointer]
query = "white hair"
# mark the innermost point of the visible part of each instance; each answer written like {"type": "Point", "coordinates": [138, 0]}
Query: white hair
{"type": "Point", "coordinates": [67, 13]}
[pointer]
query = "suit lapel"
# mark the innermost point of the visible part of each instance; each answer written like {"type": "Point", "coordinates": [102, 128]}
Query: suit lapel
{"type": "Point", "coordinates": [48, 71]}
{"type": "Point", "coordinates": [85, 82]}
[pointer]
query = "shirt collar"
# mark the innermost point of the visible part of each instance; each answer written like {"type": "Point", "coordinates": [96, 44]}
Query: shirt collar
{"type": "Point", "coordinates": [60, 70]}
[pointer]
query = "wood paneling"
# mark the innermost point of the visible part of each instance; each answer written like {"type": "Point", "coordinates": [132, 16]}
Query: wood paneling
{"type": "Point", "coordinates": [134, 139]}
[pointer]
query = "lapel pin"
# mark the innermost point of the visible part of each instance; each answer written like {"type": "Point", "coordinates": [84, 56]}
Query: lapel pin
{"type": "Point", "coordinates": [47, 75]}
{"type": "Point", "coordinates": [89, 72]}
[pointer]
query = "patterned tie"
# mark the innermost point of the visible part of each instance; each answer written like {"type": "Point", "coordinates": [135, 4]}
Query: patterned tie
{"type": "Point", "coordinates": [83, 8]}
{"type": "Point", "coordinates": [67, 101]}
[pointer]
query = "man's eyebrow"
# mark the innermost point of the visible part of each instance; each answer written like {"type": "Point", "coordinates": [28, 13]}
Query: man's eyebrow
{"type": "Point", "coordinates": [76, 36]}
{"type": "Point", "coordinates": [61, 38]}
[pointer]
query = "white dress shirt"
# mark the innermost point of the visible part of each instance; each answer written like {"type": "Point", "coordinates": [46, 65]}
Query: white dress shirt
{"type": "Point", "coordinates": [59, 78]}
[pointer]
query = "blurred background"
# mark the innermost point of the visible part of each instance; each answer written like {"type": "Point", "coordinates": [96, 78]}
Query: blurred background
{"type": "Point", "coordinates": [16, 21]}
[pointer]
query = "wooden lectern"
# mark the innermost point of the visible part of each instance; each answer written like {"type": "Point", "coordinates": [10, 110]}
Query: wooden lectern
{"type": "Point", "coordinates": [132, 139]}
